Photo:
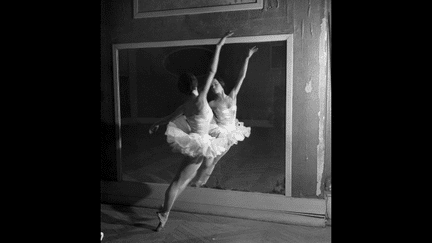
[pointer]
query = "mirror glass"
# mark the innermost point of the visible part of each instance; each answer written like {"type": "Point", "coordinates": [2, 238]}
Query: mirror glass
{"type": "Point", "coordinates": [147, 79]}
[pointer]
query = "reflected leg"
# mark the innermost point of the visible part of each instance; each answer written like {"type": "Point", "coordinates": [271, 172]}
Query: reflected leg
{"type": "Point", "coordinates": [207, 169]}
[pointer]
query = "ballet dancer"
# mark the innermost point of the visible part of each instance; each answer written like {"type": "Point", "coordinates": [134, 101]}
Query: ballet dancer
{"type": "Point", "coordinates": [225, 110]}
{"type": "Point", "coordinates": [188, 133]}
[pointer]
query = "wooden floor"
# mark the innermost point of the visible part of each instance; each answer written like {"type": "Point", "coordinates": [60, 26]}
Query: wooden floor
{"type": "Point", "coordinates": [135, 224]}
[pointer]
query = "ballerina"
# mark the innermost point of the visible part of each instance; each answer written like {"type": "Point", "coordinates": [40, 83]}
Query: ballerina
{"type": "Point", "coordinates": [188, 133]}
{"type": "Point", "coordinates": [228, 126]}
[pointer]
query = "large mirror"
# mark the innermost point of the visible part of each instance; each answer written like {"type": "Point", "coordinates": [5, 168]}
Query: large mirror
{"type": "Point", "coordinates": [145, 78]}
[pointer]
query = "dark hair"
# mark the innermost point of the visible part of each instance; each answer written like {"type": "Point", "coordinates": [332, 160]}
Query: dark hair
{"type": "Point", "coordinates": [187, 82]}
{"type": "Point", "coordinates": [219, 78]}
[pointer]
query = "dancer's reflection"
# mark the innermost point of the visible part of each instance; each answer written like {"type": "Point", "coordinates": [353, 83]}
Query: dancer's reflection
{"type": "Point", "coordinates": [225, 109]}
{"type": "Point", "coordinates": [188, 133]}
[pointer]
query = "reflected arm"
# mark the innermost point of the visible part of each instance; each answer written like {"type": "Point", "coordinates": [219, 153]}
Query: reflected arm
{"type": "Point", "coordinates": [242, 74]}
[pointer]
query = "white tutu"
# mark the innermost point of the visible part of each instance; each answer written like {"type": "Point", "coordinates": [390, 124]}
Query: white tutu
{"type": "Point", "coordinates": [233, 132]}
{"type": "Point", "coordinates": [182, 140]}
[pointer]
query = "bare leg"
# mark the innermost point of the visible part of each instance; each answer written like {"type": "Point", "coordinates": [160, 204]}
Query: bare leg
{"type": "Point", "coordinates": [209, 165]}
{"type": "Point", "coordinates": [185, 174]}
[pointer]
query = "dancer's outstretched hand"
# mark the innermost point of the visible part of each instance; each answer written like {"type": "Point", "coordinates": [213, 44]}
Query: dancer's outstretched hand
{"type": "Point", "coordinates": [252, 51]}
{"type": "Point", "coordinates": [223, 39]}
{"type": "Point", "coordinates": [153, 128]}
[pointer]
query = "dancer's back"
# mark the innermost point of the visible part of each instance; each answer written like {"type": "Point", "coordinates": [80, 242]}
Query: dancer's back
{"type": "Point", "coordinates": [198, 115]}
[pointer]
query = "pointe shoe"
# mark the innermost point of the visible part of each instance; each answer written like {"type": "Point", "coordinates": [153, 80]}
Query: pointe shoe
{"type": "Point", "coordinates": [196, 185]}
{"type": "Point", "coordinates": [199, 184]}
{"type": "Point", "coordinates": [162, 220]}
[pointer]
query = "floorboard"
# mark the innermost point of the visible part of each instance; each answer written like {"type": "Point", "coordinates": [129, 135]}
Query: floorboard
{"type": "Point", "coordinates": [135, 224]}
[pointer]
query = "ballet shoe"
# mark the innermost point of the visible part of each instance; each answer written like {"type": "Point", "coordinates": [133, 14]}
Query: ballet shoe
{"type": "Point", "coordinates": [162, 220]}
{"type": "Point", "coordinates": [159, 227]}
{"type": "Point", "coordinates": [195, 185]}
{"type": "Point", "coordinates": [199, 184]}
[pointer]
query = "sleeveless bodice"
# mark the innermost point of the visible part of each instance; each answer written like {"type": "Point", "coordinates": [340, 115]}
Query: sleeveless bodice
{"type": "Point", "coordinates": [200, 123]}
{"type": "Point", "coordinates": [225, 116]}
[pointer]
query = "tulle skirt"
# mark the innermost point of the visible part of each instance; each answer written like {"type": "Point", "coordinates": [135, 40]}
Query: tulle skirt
{"type": "Point", "coordinates": [233, 132]}
{"type": "Point", "coordinates": [182, 140]}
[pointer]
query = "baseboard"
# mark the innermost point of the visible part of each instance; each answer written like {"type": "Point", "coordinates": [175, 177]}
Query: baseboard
{"type": "Point", "coordinates": [256, 206]}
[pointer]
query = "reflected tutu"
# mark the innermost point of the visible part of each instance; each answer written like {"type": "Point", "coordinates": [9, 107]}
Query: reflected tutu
{"type": "Point", "coordinates": [233, 132]}
{"type": "Point", "coordinates": [182, 140]}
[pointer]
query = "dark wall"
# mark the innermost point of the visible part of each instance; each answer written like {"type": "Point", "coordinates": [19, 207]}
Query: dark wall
{"type": "Point", "coordinates": [156, 83]}
{"type": "Point", "coordinates": [108, 149]}
{"type": "Point", "coordinates": [299, 17]}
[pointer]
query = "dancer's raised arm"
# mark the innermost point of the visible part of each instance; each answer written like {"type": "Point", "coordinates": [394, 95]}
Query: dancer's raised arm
{"type": "Point", "coordinates": [242, 74]}
{"type": "Point", "coordinates": [214, 64]}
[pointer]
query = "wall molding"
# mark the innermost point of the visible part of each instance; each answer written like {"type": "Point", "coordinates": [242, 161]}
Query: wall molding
{"type": "Point", "coordinates": [194, 7]}
{"type": "Point", "coordinates": [244, 39]}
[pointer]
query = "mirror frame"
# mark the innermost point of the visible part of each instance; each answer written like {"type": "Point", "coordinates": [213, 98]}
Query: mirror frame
{"type": "Point", "coordinates": [192, 42]}
{"type": "Point", "coordinates": [215, 6]}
